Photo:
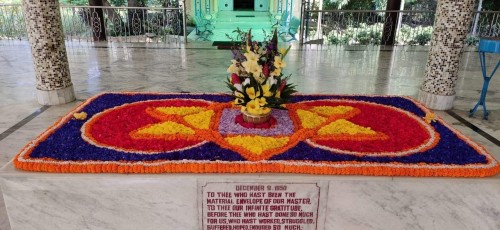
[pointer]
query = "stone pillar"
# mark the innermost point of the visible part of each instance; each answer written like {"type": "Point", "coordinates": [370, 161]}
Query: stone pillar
{"type": "Point", "coordinates": [45, 35]}
{"type": "Point", "coordinates": [453, 18]}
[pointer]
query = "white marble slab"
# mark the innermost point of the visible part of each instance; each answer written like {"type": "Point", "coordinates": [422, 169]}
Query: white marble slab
{"type": "Point", "coordinates": [417, 204]}
{"type": "Point", "coordinates": [169, 201]}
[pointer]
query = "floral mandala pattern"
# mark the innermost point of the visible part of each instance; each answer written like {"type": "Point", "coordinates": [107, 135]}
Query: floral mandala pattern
{"type": "Point", "coordinates": [319, 134]}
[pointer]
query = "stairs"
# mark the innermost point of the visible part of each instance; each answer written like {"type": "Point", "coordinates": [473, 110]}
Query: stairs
{"type": "Point", "coordinates": [227, 21]}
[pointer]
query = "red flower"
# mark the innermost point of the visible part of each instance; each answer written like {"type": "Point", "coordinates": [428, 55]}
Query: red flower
{"type": "Point", "coordinates": [235, 79]}
{"type": "Point", "coordinates": [282, 86]}
{"type": "Point", "coordinates": [265, 70]}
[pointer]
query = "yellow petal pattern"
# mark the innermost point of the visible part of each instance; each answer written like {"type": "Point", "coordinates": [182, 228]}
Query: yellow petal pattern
{"type": "Point", "coordinates": [331, 110]}
{"type": "Point", "coordinates": [200, 120]}
{"type": "Point", "coordinates": [257, 144]}
{"type": "Point", "coordinates": [310, 120]}
{"type": "Point", "coordinates": [180, 110]}
{"type": "Point", "coordinates": [166, 128]}
{"type": "Point", "coordinates": [343, 126]}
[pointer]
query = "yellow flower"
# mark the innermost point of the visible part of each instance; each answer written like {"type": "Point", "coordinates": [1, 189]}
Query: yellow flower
{"type": "Point", "coordinates": [238, 101]}
{"type": "Point", "coordinates": [240, 98]}
{"type": "Point", "coordinates": [251, 56]}
{"type": "Point", "coordinates": [238, 94]}
{"type": "Point", "coordinates": [430, 117]}
{"type": "Point", "coordinates": [253, 107]}
{"type": "Point", "coordinates": [262, 101]}
{"type": "Point", "coordinates": [282, 50]}
{"type": "Point", "coordinates": [252, 67]}
{"type": "Point", "coordinates": [233, 68]}
{"type": "Point", "coordinates": [266, 110]}
{"type": "Point", "coordinates": [266, 90]}
{"type": "Point", "coordinates": [256, 71]}
{"type": "Point", "coordinates": [80, 116]}
{"type": "Point", "coordinates": [276, 72]}
{"type": "Point", "coordinates": [251, 93]}
{"type": "Point", "coordinates": [278, 63]}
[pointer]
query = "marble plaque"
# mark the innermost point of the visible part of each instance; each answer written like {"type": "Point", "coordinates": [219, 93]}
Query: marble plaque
{"type": "Point", "coordinates": [261, 205]}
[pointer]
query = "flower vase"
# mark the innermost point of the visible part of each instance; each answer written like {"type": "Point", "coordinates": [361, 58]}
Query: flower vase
{"type": "Point", "coordinates": [256, 119]}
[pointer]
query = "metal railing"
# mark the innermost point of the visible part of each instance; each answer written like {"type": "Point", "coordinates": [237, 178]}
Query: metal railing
{"type": "Point", "coordinates": [373, 27]}
{"type": "Point", "coordinates": [336, 27]}
{"type": "Point", "coordinates": [12, 24]}
{"type": "Point", "coordinates": [484, 24]}
{"type": "Point", "coordinates": [91, 23]}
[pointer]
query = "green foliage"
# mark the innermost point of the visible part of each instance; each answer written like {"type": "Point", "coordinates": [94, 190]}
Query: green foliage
{"type": "Point", "coordinates": [422, 39]}
{"type": "Point", "coordinates": [355, 4]}
{"type": "Point", "coordinates": [72, 22]}
{"type": "Point", "coordinates": [358, 5]}
{"type": "Point", "coordinates": [363, 34]}
{"type": "Point", "coordinates": [420, 4]}
{"type": "Point", "coordinates": [12, 23]}
{"type": "Point", "coordinates": [472, 41]}
{"type": "Point", "coordinates": [330, 5]}
{"type": "Point", "coordinates": [162, 3]}
{"type": "Point", "coordinates": [414, 35]}
{"type": "Point", "coordinates": [372, 34]}
{"type": "Point", "coordinates": [380, 4]}
{"type": "Point", "coordinates": [116, 29]}
{"type": "Point", "coordinates": [11, 1]}
{"type": "Point", "coordinates": [368, 37]}
{"type": "Point", "coordinates": [118, 2]}
{"type": "Point", "coordinates": [338, 38]}
{"type": "Point", "coordinates": [74, 2]}
{"type": "Point", "coordinates": [493, 5]}
{"type": "Point", "coordinates": [190, 20]}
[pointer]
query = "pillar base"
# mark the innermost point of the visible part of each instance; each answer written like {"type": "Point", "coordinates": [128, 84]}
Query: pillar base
{"type": "Point", "coordinates": [436, 102]}
{"type": "Point", "coordinates": [55, 97]}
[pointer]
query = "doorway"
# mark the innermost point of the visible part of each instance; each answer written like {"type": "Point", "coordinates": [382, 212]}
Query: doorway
{"type": "Point", "coordinates": [247, 5]}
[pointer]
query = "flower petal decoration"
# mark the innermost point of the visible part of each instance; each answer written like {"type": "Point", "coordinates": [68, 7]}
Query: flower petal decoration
{"type": "Point", "coordinates": [198, 133]}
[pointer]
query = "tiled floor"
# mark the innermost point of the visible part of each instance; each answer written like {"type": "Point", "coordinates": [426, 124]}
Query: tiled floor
{"type": "Point", "coordinates": [201, 68]}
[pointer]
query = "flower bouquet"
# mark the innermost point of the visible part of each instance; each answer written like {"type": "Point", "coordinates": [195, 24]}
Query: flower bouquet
{"type": "Point", "coordinates": [256, 79]}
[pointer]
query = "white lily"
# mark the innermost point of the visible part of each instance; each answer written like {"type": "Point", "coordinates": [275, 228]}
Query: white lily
{"type": "Point", "coordinates": [251, 56]}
